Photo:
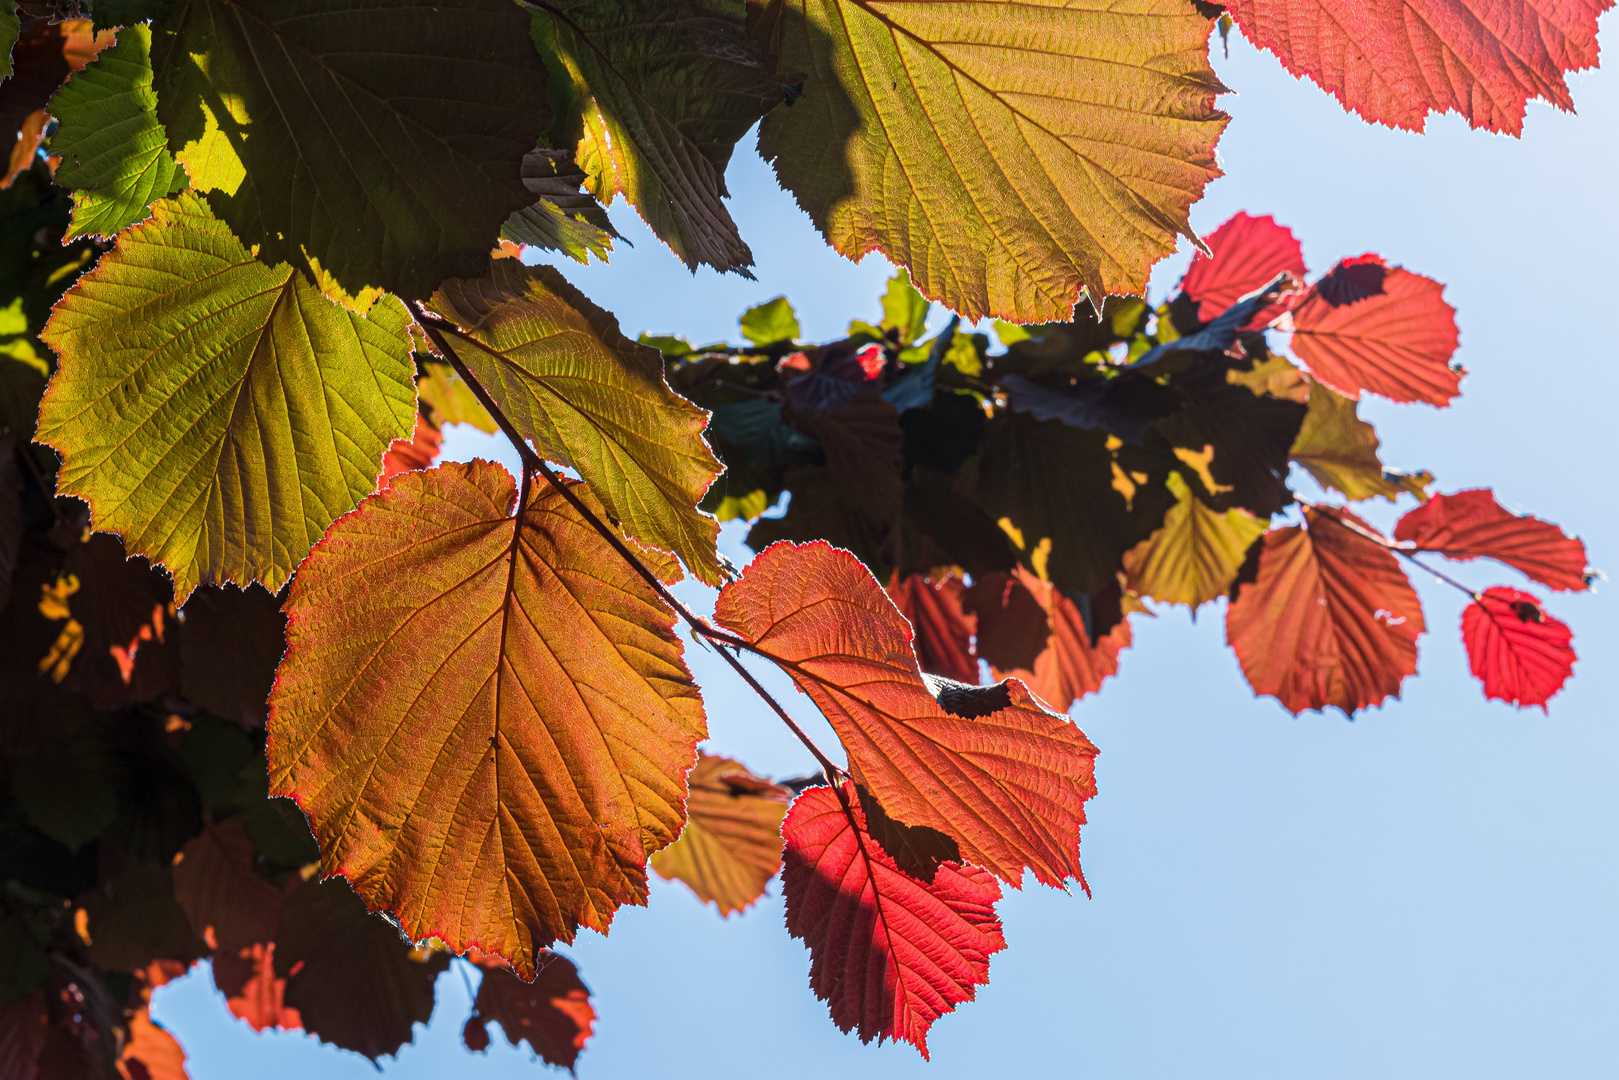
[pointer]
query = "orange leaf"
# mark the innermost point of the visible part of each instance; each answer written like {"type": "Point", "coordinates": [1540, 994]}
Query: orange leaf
{"type": "Point", "coordinates": [1397, 341]}
{"type": "Point", "coordinates": [552, 1014]}
{"type": "Point", "coordinates": [253, 991]}
{"type": "Point", "coordinates": [1248, 254]}
{"type": "Point", "coordinates": [1521, 654]}
{"type": "Point", "coordinates": [151, 1053]}
{"type": "Point", "coordinates": [1069, 667]}
{"type": "Point", "coordinates": [732, 844]}
{"type": "Point", "coordinates": [416, 452]}
{"type": "Point", "coordinates": [1330, 620]}
{"type": "Point", "coordinates": [986, 766]}
{"type": "Point", "coordinates": [943, 629]}
{"type": "Point", "coordinates": [889, 953]}
{"type": "Point", "coordinates": [487, 719]}
{"type": "Point", "coordinates": [1472, 525]}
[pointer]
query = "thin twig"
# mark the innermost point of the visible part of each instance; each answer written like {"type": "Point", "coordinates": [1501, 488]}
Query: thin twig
{"type": "Point", "coordinates": [1328, 513]}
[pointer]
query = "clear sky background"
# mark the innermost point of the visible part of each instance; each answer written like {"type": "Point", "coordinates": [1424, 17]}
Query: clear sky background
{"type": "Point", "coordinates": [1429, 891]}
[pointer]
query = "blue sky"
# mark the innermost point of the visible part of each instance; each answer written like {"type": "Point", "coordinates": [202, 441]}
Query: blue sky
{"type": "Point", "coordinates": [1429, 891]}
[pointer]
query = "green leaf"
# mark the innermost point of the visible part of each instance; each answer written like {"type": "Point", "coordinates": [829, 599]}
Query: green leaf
{"type": "Point", "coordinates": [564, 218]}
{"type": "Point", "coordinates": [590, 398]}
{"type": "Point", "coordinates": [1007, 153]}
{"type": "Point", "coordinates": [904, 309]}
{"type": "Point", "coordinates": [217, 412]}
{"type": "Point", "coordinates": [10, 28]}
{"type": "Point", "coordinates": [771, 322]}
{"type": "Point", "coordinates": [1339, 449]}
{"type": "Point", "coordinates": [654, 94]}
{"type": "Point", "coordinates": [384, 140]}
{"type": "Point", "coordinates": [114, 152]}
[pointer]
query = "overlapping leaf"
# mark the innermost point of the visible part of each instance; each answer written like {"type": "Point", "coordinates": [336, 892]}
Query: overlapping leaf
{"type": "Point", "coordinates": [253, 991]}
{"type": "Point", "coordinates": [889, 953]}
{"type": "Point", "coordinates": [384, 141]}
{"type": "Point", "coordinates": [1075, 661]}
{"type": "Point", "coordinates": [731, 846]}
{"type": "Point", "coordinates": [1339, 449]}
{"type": "Point", "coordinates": [988, 767]}
{"type": "Point", "coordinates": [1521, 654]}
{"type": "Point", "coordinates": [1194, 557]}
{"type": "Point", "coordinates": [486, 717]}
{"type": "Point", "coordinates": [552, 1013]}
{"type": "Point", "coordinates": [217, 412]}
{"type": "Point", "coordinates": [1006, 154]}
{"type": "Point", "coordinates": [1472, 525]}
{"type": "Point", "coordinates": [562, 218]}
{"type": "Point", "coordinates": [588, 397]}
{"type": "Point", "coordinates": [1396, 341]}
{"type": "Point", "coordinates": [230, 906]}
{"type": "Point", "coordinates": [1396, 61]}
{"type": "Point", "coordinates": [231, 646]}
{"type": "Point", "coordinates": [943, 630]}
{"type": "Point", "coordinates": [1330, 620]}
{"type": "Point", "coordinates": [1248, 254]}
{"type": "Point", "coordinates": [417, 452]}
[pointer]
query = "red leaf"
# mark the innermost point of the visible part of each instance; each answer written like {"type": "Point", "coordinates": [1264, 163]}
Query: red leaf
{"type": "Point", "coordinates": [1397, 343]}
{"type": "Point", "coordinates": [1472, 525]}
{"type": "Point", "coordinates": [987, 766]}
{"type": "Point", "coordinates": [1070, 667]}
{"type": "Point", "coordinates": [1248, 253]}
{"type": "Point", "coordinates": [417, 452]}
{"type": "Point", "coordinates": [1520, 653]}
{"type": "Point", "coordinates": [1396, 61]}
{"type": "Point", "coordinates": [1012, 626]}
{"type": "Point", "coordinates": [1330, 620]}
{"type": "Point", "coordinates": [943, 630]}
{"type": "Point", "coordinates": [889, 953]}
{"type": "Point", "coordinates": [552, 1014]}
{"type": "Point", "coordinates": [252, 990]}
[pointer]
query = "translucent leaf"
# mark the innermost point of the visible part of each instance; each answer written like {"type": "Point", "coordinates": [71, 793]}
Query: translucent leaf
{"type": "Point", "coordinates": [731, 846]}
{"type": "Point", "coordinates": [1522, 655]}
{"type": "Point", "coordinates": [1473, 525]}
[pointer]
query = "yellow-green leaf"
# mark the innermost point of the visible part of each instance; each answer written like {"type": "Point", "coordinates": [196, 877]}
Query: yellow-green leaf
{"type": "Point", "coordinates": [1195, 556]}
{"type": "Point", "coordinates": [216, 412]}
{"type": "Point", "coordinates": [1007, 153]}
{"type": "Point", "coordinates": [451, 399]}
{"type": "Point", "coordinates": [1339, 449]}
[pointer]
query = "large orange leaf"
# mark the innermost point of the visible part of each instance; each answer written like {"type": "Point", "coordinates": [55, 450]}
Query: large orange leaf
{"type": "Point", "coordinates": [1396, 61]}
{"type": "Point", "coordinates": [552, 1013]}
{"type": "Point", "coordinates": [1248, 254]}
{"type": "Point", "coordinates": [987, 766]}
{"type": "Point", "coordinates": [1330, 620]}
{"type": "Point", "coordinates": [1071, 665]}
{"type": "Point", "coordinates": [943, 628]}
{"type": "Point", "coordinates": [1521, 654]}
{"type": "Point", "coordinates": [732, 844]}
{"type": "Point", "coordinates": [1394, 337]}
{"type": "Point", "coordinates": [889, 953]}
{"type": "Point", "coordinates": [487, 718]}
{"type": "Point", "coordinates": [1472, 525]}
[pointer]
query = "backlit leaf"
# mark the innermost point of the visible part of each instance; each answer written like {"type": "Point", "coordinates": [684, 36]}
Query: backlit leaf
{"type": "Point", "coordinates": [1396, 343]}
{"type": "Point", "coordinates": [1521, 654]}
{"type": "Point", "coordinates": [1011, 625]}
{"type": "Point", "coordinates": [986, 766]}
{"type": "Point", "coordinates": [220, 445]}
{"type": "Point", "coordinates": [486, 718]}
{"type": "Point", "coordinates": [562, 218]}
{"type": "Point", "coordinates": [589, 397]}
{"type": "Point", "coordinates": [450, 400]}
{"type": "Point", "coordinates": [253, 991]}
{"type": "Point", "coordinates": [1194, 557]}
{"type": "Point", "coordinates": [150, 1052]}
{"type": "Point", "coordinates": [417, 452]}
{"type": "Point", "coordinates": [1071, 665]}
{"type": "Point", "coordinates": [1339, 449]}
{"type": "Point", "coordinates": [552, 1013]}
{"type": "Point", "coordinates": [731, 846]}
{"type": "Point", "coordinates": [1248, 254]}
{"type": "Point", "coordinates": [383, 141]}
{"type": "Point", "coordinates": [889, 953]}
{"type": "Point", "coordinates": [770, 322]}
{"type": "Point", "coordinates": [943, 630]}
{"type": "Point", "coordinates": [1007, 154]}
{"type": "Point", "coordinates": [1331, 619]}
{"type": "Point", "coordinates": [1395, 63]}
{"type": "Point", "coordinates": [1472, 525]}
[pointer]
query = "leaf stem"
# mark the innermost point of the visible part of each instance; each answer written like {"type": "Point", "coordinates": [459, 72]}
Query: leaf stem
{"type": "Point", "coordinates": [1329, 513]}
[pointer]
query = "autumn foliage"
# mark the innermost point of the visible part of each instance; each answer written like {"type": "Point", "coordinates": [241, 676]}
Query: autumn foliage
{"type": "Point", "coordinates": [281, 693]}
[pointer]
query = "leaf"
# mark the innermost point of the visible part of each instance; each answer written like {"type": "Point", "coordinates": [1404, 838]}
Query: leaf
{"type": "Point", "coordinates": [1195, 556]}
{"type": "Point", "coordinates": [125, 608]}
{"type": "Point", "coordinates": [653, 96]}
{"type": "Point", "coordinates": [220, 446]}
{"type": "Point", "coordinates": [487, 719]}
{"type": "Point", "coordinates": [133, 919]}
{"type": "Point", "coordinates": [1339, 449]}
{"type": "Point", "coordinates": [1472, 525]}
{"type": "Point", "coordinates": [232, 643]}
{"type": "Point", "coordinates": [770, 323]}
{"type": "Point", "coordinates": [987, 766]}
{"type": "Point", "coordinates": [1011, 625]}
{"type": "Point", "coordinates": [417, 452]}
{"type": "Point", "coordinates": [10, 28]}
{"type": "Point", "coordinates": [905, 311]}
{"type": "Point", "coordinates": [63, 773]}
{"type": "Point", "coordinates": [1395, 63]}
{"type": "Point", "coordinates": [552, 1013]}
{"type": "Point", "coordinates": [393, 174]}
{"type": "Point", "coordinates": [450, 399]}
{"type": "Point", "coordinates": [589, 397]}
{"type": "Point", "coordinates": [37, 69]}
{"type": "Point", "coordinates": [1522, 655]}
{"type": "Point", "coordinates": [941, 627]}
{"type": "Point", "coordinates": [1331, 619]}
{"type": "Point", "coordinates": [1248, 254]}
{"type": "Point", "coordinates": [24, 1023]}
{"type": "Point", "coordinates": [1232, 445]}
{"type": "Point", "coordinates": [889, 953]}
{"type": "Point", "coordinates": [1274, 376]}
{"type": "Point", "coordinates": [150, 1052]}
{"type": "Point", "coordinates": [731, 846]}
{"type": "Point", "coordinates": [1071, 665]}
{"type": "Point", "coordinates": [230, 906]}
{"type": "Point", "coordinates": [252, 990]}
{"type": "Point", "coordinates": [563, 218]}
{"type": "Point", "coordinates": [1008, 155]}
{"type": "Point", "coordinates": [1396, 343]}
{"type": "Point", "coordinates": [115, 154]}
{"type": "Point", "coordinates": [354, 980]}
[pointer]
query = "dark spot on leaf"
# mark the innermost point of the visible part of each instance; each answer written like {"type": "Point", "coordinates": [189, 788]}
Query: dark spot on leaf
{"type": "Point", "coordinates": [1525, 611]}
{"type": "Point", "coordinates": [1351, 281]}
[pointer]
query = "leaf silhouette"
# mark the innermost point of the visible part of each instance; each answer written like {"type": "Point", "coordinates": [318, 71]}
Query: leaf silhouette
{"type": "Point", "coordinates": [1521, 654]}
{"type": "Point", "coordinates": [731, 846]}
{"type": "Point", "coordinates": [217, 412]}
{"type": "Point", "coordinates": [1397, 342]}
{"type": "Point", "coordinates": [589, 397]}
{"type": "Point", "coordinates": [942, 629]}
{"type": "Point", "coordinates": [230, 906]}
{"type": "Point", "coordinates": [1330, 620]}
{"type": "Point", "coordinates": [1472, 525]}
{"type": "Point", "coordinates": [231, 646]}
{"type": "Point", "coordinates": [1006, 154]}
{"type": "Point", "coordinates": [510, 790]}
{"type": "Point", "coordinates": [993, 770]}
{"type": "Point", "coordinates": [1248, 254]}
{"type": "Point", "coordinates": [1195, 556]}
{"type": "Point", "coordinates": [1339, 449]}
{"type": "Point", "coordinates": [889, 953]}
{"type": "Point", "coordinates": [552, 1013]}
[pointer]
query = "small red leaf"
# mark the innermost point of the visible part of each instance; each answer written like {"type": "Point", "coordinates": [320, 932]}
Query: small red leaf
{"type": "Point", "coordinates": [1396, 343]}
{"type": "Point", "coordinates": [1248, 253]}
{"type": "Point", "coordinates": [889, 953]}
{"type": "Point", "coordinates": [1521, 654]}
{"type": "Point", "coordinates": [1472, 525]}
{"type": "Point", "coordinates": [417, 452]}
{"type": "Point", "coordinates": [944, 631]}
